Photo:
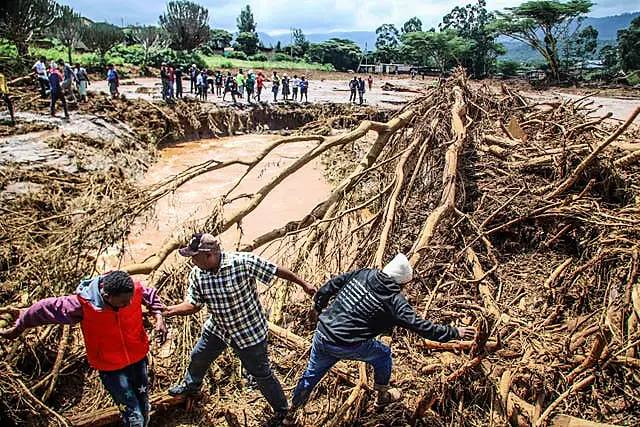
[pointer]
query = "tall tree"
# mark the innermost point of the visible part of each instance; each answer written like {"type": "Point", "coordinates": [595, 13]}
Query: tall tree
{"type": "Point", "coordinates": [343, 54]}
{"type": "Point", "coordinates": [539, 23]}
{"type": "Point", "coordinates": [151, 39]}
{"type": "Point", "coordinates": [387, 42]}
{"type": "Point", "coordinates": [248, 42]}
{"type": "Point", "coordinates": [219, 39]}
{"type": "Point", "coordinates": [300, 41]}
{"type": "Point", "coordinates": [412, 25]}
{"type": "Point", "coordinates": [69, 28]}
{"type": "Point", "coordinates": [186, 23]}
{"type": "Point", "coordinates": [471, 22]}
{"type": "Point", "coordinates": [21, 19]}
{"type": "Point", "coordinates": [246, 23]}
{"type": "Point", "coordinates": [444, 49]}
{"type": "Point", "coordinates": [102, 36]}
{"type": "Point", "coordinates": [629, 46]}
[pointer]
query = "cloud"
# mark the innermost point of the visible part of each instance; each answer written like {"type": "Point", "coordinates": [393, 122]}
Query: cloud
{"type": "Point", "coordinates": [278, 16]}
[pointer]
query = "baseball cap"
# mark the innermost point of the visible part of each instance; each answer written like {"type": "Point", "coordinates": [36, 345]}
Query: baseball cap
{"type": "Point", "coordinates": [200, 242]}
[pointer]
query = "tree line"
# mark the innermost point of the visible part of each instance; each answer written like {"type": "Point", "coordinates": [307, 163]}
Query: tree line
{"type": "Point", "coordinates": [466, 36]}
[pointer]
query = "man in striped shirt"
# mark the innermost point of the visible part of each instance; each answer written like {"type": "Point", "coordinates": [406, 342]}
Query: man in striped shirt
{"type": "Point", "coordinates": [225, 282]}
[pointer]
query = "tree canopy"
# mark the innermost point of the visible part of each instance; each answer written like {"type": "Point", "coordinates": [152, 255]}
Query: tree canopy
{"type": "Point", "coordinates": [387, 43]}
{"type": "Point", "coordinates": [69, 28]}
{"type": "Point", "coordinates": [186, 23]}
{"type": "Point", "coordinates": [412, 25]}
{"type": "Point", "coordinates": [343, 54]}
{"type": "Point", "coordinates": [246, 23]}
{"type": "Point", "coordinates": [102, 36]}
{"type": "Point", "coordinates": [443, 49]}
{"type": "Point", "coordinates": [539, 24]}
{"type": "Point", "coordinates": [150, 38]}
{"type": "Point", "coordinates": [629, 46]}
{"type": "Point", "coordinates": [21, 19]}
{"type": "Point", "coordinates": [248, 42]}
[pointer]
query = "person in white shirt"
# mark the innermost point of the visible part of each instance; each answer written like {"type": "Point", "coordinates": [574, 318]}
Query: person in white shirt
{"type": "Point", "coordinates": [295, 84]}
{"type": "Point", "coordinates": [40, 69]}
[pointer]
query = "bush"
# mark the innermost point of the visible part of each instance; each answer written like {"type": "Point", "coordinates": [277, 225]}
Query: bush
{"type": "Point", "coordinates": [237, 55]}
{"type": "Point", "coordinates": [508, 68]}
{"type": "Point", "coordinates": [282, 57]}
{"type": "Point", "coordinates": [226, 64]}
{"type": "Point", "coordinates": [259, 57]}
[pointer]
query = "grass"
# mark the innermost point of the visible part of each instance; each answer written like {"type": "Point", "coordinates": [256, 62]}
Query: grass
{"type": "Point", "coordinates": [219, 61]}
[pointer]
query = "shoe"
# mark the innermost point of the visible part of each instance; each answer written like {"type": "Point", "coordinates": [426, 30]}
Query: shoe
{"type": "Point", "coordinates": [184, 390]}
{"type": "Point", "coordinates": [386, 395]}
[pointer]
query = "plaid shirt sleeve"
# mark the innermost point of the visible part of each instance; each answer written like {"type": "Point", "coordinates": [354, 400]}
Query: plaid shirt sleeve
{"type": "Point", "coordinates": [261, 269]}
{"type": "Point", "coordinates": [194, 296]}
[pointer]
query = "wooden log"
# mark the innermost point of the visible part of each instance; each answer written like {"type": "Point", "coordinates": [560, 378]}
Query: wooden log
{"type": "Point", "coordinates": [111, 415]}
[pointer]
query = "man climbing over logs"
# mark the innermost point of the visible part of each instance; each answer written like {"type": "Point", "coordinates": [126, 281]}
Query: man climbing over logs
{"type": "Point", "coordinates": [226, 283]}
{"type": "Point", "coordinates": [367, 303]}
{"type": "Point", "coordinates": [109, 310]}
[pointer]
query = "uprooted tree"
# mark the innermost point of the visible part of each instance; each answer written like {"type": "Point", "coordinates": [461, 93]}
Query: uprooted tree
{"type": "Point", "coordinates": [520, 218]}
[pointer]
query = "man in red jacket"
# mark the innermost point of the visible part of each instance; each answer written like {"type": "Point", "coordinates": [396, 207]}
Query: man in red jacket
{"type": "Point", "coordinates": [109, 310]}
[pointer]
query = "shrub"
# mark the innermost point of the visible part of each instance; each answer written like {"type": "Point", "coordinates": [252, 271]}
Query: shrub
{"type": "Point", "coordinates": [237, 55]}
{"type": "Point", "coordinates": [259, 57]}
{"type": "Point", "coordinates": [226, 64]}
{"type": "Point", "coordinates": [282, 57]}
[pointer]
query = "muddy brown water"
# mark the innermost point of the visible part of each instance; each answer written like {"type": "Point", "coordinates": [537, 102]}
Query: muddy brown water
{"type": "Point", "coordinates": [292, 199]}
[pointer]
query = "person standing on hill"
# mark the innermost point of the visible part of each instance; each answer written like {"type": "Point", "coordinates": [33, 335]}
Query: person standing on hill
{"type": "Point", "coordinates": [205, 84]}
{"type": "Point", "coordinates": [285, 87]}
{"type": "Point", "coordinates": [367, 303]}
{"type": "Point", "coordinates": [178, 74]}
{"type": "Point", "coordinates": [304, 87]}
{"type": "Point", "coordinates": [226, 283]}
{"type": "Point", "coordinates": [40, 68]}
{"type": "Point", "coordinates": [193, 75]}
{"type": "Point", "coordinates": [164, 79]}
{"type": "Point", "coordinates": [4, 90]}
{"type": "Point", "coordinates": [219, 84]}
{"type": "Point", "coordinates": [229, 87]}
{"type": "Point", "coordinates": [240, 83]}
{"type": "Point", "coordinates": [109, 310]}
{"type": "Point", "coordinates": [55, 85]}
{"type": "Point", "coordinates": [275, 85]}
{"type": "Point", "coordinates": [353, 88]}
{"type": "Point", "coordinates": [361, 89]}
{"type": "Point", "coordinates": [249, 84]}
{"type": "Point", "coordinates": [171, 77]}
{"type": "Point", "coordinates": [295, 84]}
{"type": "Point", "coordinates": [259, 85]}
{"type": "Point", "coordinates": [83, 81]}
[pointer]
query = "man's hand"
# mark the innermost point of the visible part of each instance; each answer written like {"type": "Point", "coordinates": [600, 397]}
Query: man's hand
{"type": "Point", "coordinates": [309, 289]}
{"type": "Point", "coordinates": [11, 332]}
{"type": "Point", "coordinates": [467, 333]}
{"type": "Point", "coordinates": [160, 330]}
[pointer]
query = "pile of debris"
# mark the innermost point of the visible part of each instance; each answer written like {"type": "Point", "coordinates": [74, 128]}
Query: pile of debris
{"type": "Point", "coordinates": [520, 218]}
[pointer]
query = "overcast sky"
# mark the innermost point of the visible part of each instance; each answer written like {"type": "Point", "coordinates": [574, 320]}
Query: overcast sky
{"type": "Point", "coordinates": [313, 16]}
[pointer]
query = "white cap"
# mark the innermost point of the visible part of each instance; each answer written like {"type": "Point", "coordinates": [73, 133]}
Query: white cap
{"type": "Point", "coordinates": [399, 269]}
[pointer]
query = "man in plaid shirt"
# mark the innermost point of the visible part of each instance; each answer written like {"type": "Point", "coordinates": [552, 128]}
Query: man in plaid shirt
{"type": "Point", "coordinates": [225, 282]}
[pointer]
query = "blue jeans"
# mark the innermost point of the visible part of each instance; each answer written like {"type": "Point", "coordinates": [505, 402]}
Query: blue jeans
{"type": "Point", "coordinates": [129, 389]}
{"type": "Point", "coordinates": [254, 359]}
{"type": "Point", "coordinates": [324, 355]}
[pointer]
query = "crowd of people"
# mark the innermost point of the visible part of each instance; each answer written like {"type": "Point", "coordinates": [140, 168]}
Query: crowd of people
{"type": "Point", "coordinates": [235, 87]}
{"type": "Point", "coordinates": [350, 310]}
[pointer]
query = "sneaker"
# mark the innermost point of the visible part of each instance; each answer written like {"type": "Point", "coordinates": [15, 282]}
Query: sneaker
{"type": "Point", "coordinates": [386, 396]}
{"type": "Point", "coordinates": [184, 390]}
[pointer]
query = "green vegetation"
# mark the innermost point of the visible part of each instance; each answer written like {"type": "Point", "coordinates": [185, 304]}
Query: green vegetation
{"type": "Point", "coordinates": [628, 44]}
{"type": "Point", "coordinates": [219, 61]}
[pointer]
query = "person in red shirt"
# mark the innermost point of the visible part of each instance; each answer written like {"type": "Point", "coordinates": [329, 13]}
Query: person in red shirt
{"type": "Point", "coordinates": [109, 310]}
{"type": "Point", "coordinates": [259, 85]}
{"type": "Point", "coordinates": [370, 81]}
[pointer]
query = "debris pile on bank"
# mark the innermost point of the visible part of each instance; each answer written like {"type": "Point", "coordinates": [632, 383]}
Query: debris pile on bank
{"type": "Point", "coordinates": [519, 218]}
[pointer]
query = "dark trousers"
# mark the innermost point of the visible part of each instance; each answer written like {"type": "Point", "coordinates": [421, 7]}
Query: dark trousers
{"type": "Point", "coordinates": [179, 88]}
{"type": "Point", "coordinates": [55, 95]}
{"type": "Point", "coordinates": [361, 95]}
{"type": "Point", "coordinates": [249, 94]}
{"type": "Point", "coordinates": [193, 88]}
{"type": "Point", "coordinates": [129, 389]}
{"type": "Point", "coordinates": [7, 101]}
{"type": "Point", "coordinates": [44, 86]}
{"type": "Point", "coordinates": [254, 359]}
{"type": "Point", "coordinates": [352, 97]}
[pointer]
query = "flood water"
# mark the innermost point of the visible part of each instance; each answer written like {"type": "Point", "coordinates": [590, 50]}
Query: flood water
{"type": "Point", "coordinates": [290, 200]}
